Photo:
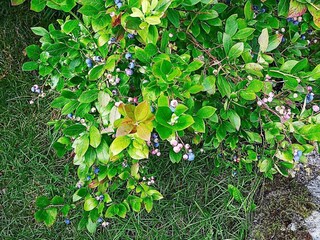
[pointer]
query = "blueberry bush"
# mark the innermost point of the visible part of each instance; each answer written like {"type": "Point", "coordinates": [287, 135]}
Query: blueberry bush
{"type": "Point", "coordinates": [235, 81]}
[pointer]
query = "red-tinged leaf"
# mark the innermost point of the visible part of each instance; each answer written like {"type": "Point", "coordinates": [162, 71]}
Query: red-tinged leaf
{"type": "Point", "coordinates": [296, 9]}
{"type": "Point", "coordinates": [93, 184]}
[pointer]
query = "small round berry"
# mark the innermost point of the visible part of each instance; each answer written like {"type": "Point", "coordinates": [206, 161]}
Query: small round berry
{"type": "Point", "coordinates": [295, 95]}
{"type": "Point", "coordinates": [96, 170]}
{"type": "Point", "coordinates": [303, 37]}
{"type": "Point", "coordinates": [315, 108]}
{"type": "Point", "coordinates": [135, 100]}
{"type": "Point", "coordinates": [105, 224]}
{"type": "Point", "coordinates": [119, 5]}
{"type": "Point", "coordinates": [259, 103]}
{"type": "Point", "coordinates": [187, 146]}
{"type": "Point", "coordinates": [131, 65]}
{"type": "Point", "coordinates": [100, 220]}
{"type": "Point", "coordinates": [158, 154]}
{"type": "Point", "coordinates": [93, 110]}
{"type": "Point", "coordinates": [296, 22]}
{"type": "Point", "coordinates": [118, 70]}
{"type": "Point", "coordinates": [174, 143]}
{"type": "Point", "coordinates": [128, 55]}
{"type": "Point", "coordinates": [315, 41]}
{"type": "Point", "coordinates": [173, 109]}
{"type": "Point", "coordinates": [191, 156]}
{"type": "Point", "coordinates": [185, 157]}
{"type": "Point", "coordinates": [309, 89]}
{"type": "Point", "coordinates": [67, 221]}
{"type": "Point", "coordinates": [202, 150]}
{"type": "Point", "coordinates": [309, 97]}
{"type": "Point", "coordinates": [170, 35]}
{"type": "Point", "coordinates": [283, 39]}
{"type": "Point", "coordinates": [114, 92]}
{"type": "Point", "coordinates": [130, 36]}
{"type": "Point", "coordinates": [129, 71]}
{"type": "Point", "coordinates": [156, 145]}
{"type": "Point", "coordinates": [174, 103]}
{"type": "Point", "coordinates": [180, 145]}
{"type": "Point", "coordinates": [283, 30]}
{"type": "Point", "coordinates": [176, 149]}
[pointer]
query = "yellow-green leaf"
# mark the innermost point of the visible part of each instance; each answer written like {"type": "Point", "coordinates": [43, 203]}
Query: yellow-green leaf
{"type": "Point", "coordinates": [119, 144]}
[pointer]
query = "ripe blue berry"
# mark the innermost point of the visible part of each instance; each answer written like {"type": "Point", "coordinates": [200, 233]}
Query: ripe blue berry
{"type": "Point", "coordinates": [155, 135]}
{"type": "Point", "coordinates": [296, 158]}
{"type": "Point", "coordinates": [299, 153]}
{"type": "Point", "coordinates": [101, 197]}
{"type": "Point", "coordinates": [263, 10]}
{"type": "Point", "coordinates": [290, 19]}
{"type": "Point", "coordinates": [97, 58]}
{"type": "Point", "coordinates": [309, 31]}
{"type": "Point", "coordinates": [156, 145]}
{"type": "Point", "coordinates": [303, 37]}
{"type": "Point", "coordinates": [219, 155]}
{"type": "Point", "coordinates": [172, 109]}
{"type": "Point", "coordinates": [309, 97]}
{"type": "Point", "coordinates": [128, 55]}
{"type": "Point", "coordinates": [96, 170]}
{"type": "Point", "coordinates": [67, 221]}
{"type": "Point", "coordinates": [296, 22]}
{"type": "Point", "coordinates": [283, 39]}
{"type": "Point", "coordinates": [100, 220]}
{"type": "Point", "coordinates": [70, 115]}
{"type": "Point", "coordinates": [88, 178]}
{"type": "Point", "coordinates": [117, 1]}
{"type": "Point", "coordinates": [119, 5]}
{"type": "Point", "coordinates": [89, 62]}
{"type": "Point", "coordinates": [191, 156]}
{"type": "Point", "coordinates": [130, 36]}
{"type": "Point", "coordinates": [131, 65]}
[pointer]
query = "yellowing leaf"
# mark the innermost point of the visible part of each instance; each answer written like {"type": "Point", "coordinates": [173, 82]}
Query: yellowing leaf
{"type": "Point", "coordinates": [119, 144]}
{"type": "Point", "coordinates": [264, 40]}
{"type": "Point", "coordinates": [142, 111]}
{"type": "Point", "coordinates": [315, 13]}
{"type": "Point", "coordinates": [143, 132]}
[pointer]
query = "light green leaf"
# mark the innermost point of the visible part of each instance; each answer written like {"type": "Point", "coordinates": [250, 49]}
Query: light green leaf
{"type": "Point", "coordinates": [95, 136]}
{"type": "Point", "coordinates": [119, 144]}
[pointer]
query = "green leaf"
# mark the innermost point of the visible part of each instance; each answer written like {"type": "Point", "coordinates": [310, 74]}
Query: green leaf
{"type": "Point", "coordinates": [311, 132]}
{"type": "Point", "coordinates": [234, 119]}
{"type": "Point", "coordinates": [122, 210]}
{"type": "Point", "coordinates": [235, 193]}
{"type": "Point", "coordinates": [51, 216]}
{"type": "Point", "coordinates": [236, 50]}
{"type": "Point", "coordinates": [57, 200]}
{"type": "Point", "coordinates": [248, 11]}
{"type": "Point", "coordinates": [243, 33]}
{"type": "Point", "coordinates": [209, 84]}
{"type": "Point", "coordinates": [175, 157]}
{"type": "Point", "coordinates": [40, 215]}
{"type": "Point", "coordinates": [38, 5]}
{"type": "Point", "coordinates": [227, 42]}
{"type": "Point", "coordinates": [301, 65]}
{"type": "Point", "coordinates": [195, 65]}
{"type": "Point", "coordinates": [39, 31]}
{"type": "Point", "coordinates": [42, 202]}
{"type": "Point", "coordinates": [274, 42]}
{"type": "Point", "coordinates": [103, 152]}
{"type": "Point", "coordinates": [89, 96]}
{"type": "Point", "coordinates": [81, 145]}
{"type": "Point", "coordinates": [74, 130]}
{"type": "Point", "coordinates": [68, 26]}
{"type": "Point", "coordinates": [69, 107]}
{"type": "Point", "coordinates": [96, 72]}
{"type": "Point", "coordinates": [119, 144]}
{"type": "Point", "coordinates": [231, 25]}
{"type": "Point", "coordinates": [90, 204]}
{"type": "Point", "coordinates": [29, 66]}
{"type": "Point", "coordinates": [95, 136]}
{"type": "Point", "coordinates": [174, 17]}
{"type": "Point", "coordinates": [142, 111]}
{"type": "Point", "coordinates": [88, 10]}
{"type": "Point", "coordinates": [247, 95]}
{"type": "Point", "coordinates": [206, 112]}
{"type": "Point", "coordinates": [33, 52]}
{"type": "Point", "coordinates": [148, 204]}
{"type": "Point", "coordinates": [184, 122]}
{"type": "Point", "coordinates": [223, 86]}
{"type": "Point", "coordinates": [91, 226]}
{"type": "Point", "coordinates": [283, 7]}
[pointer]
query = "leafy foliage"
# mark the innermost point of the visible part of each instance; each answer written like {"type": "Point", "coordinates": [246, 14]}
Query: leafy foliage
{"type": "Point", "coordinates": [230, 78]}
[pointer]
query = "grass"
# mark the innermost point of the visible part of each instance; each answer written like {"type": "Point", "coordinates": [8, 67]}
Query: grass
{"type": "Point", "coordinates": [196, 203]}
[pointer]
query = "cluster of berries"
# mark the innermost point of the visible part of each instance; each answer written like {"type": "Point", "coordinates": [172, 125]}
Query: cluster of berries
{"type": "Point", "coordinates": [100, 197]}
{"type": "Point", "coordinates": [285, 113]}
{"type": "Point", "coordinates": [118, 3]}
{"type": "Point", "coordinates": [36, 89]}
{"type": "Point", "coordinates": [269, 98]}
{"type": "Point", "coordinates": [90, 61]}
{"type": "Point", "coordinates": [112, 40]}
{"type": "Point", "coordinates": [297, 155]}
{"type": "Point", "coordinates": [310, 95]}
{"type": "Point", "coordinates": [295, 20]}
{"type": "Point", "coordinates": [155, 142]}
{"type": "Point", "coordinates": [150, 180]}
{"type": "Point", "coordinates": [258, 10]}
{"type": "Point", "coordinates": [78, 119]}
{"type": "Point", "coordinates": [129, 69]}
{"type": "Point", "coordinates": [112, 80]}
{"type": "Point", "coordinates": [177, 147]}
{"type": "Point", "coordinates": [236, 159]}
